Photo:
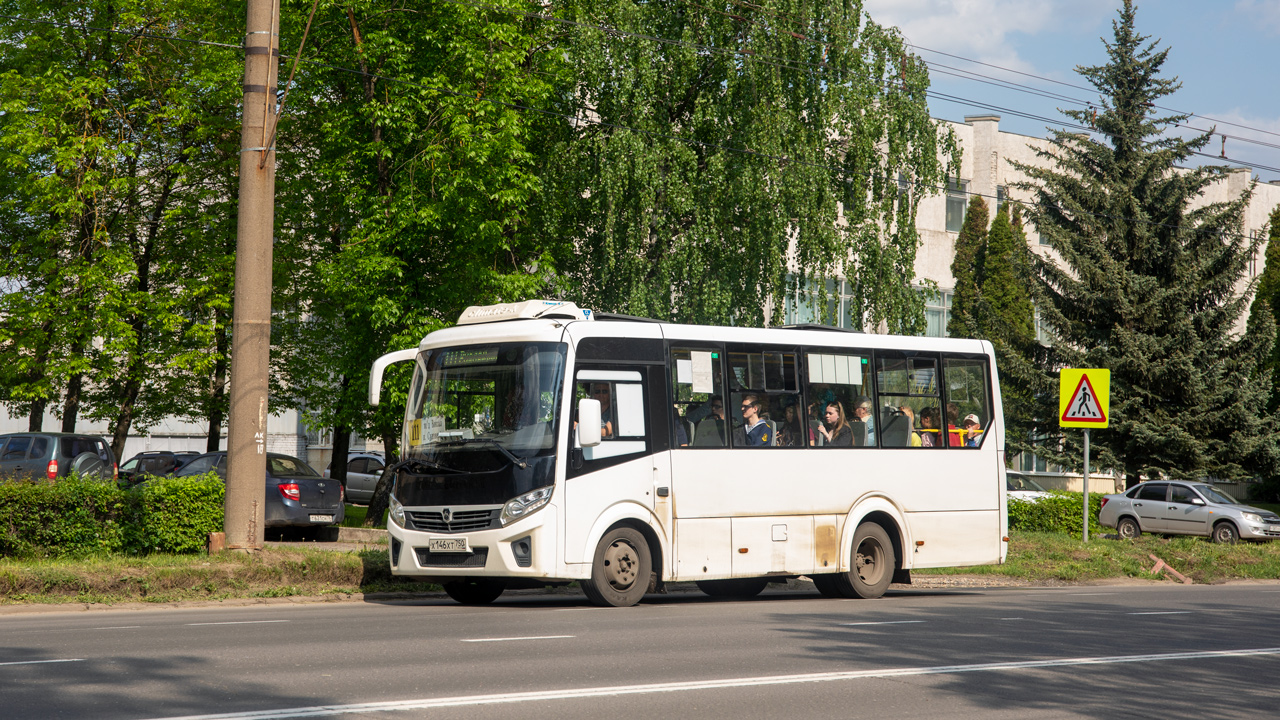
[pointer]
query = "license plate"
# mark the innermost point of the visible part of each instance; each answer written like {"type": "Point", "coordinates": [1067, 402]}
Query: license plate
{"type": "Point", "coordinates": [457, 545]}
{"type": "Point", "coordinates": [321, 518]}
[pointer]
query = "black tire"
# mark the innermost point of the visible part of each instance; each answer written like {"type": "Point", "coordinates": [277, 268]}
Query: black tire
{"type": "Point", "coordinates": [621, 570]}
{"type": "Point", "coordinates": [826, 585]}
{"type": "Point", "coordinates": [87, 463]}
{"type": "Point", "coordinates": [475, 591]}
{"type": "Point", "coordinates": [871, 565]}
{"type": "Point", "coordinates": [1128, 528]}
{"type": "Point", "coordinates": [1225, 533]}
{"type": "Point", "coordinates": [736, 588]}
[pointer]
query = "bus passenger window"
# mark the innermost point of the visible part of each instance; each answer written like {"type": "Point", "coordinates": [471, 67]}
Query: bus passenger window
{"type": "Point", "coordinates": [968, 405]}
{"type": "Point", "coordinates": [622, 413]}
{"type": "Point", "coordinates": [909, 400]}
{"type": "Point", "coordinates": [840, 410]}
{"type": "Point", "coordinates": [765, 399]}
{"type": "Point", "coordinates": [698, 403]}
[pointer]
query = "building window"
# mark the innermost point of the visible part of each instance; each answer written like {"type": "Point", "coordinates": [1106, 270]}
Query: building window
{"type": "Point", "coordinates": [1043, 335]}
{"type": "Point", "coordinates": [828, 302]}
{"type": "Point", "coordinates": [937, 312]}
{"type": "Point", "coordinates": [1254, 235]}
{"type": "Point", "coordinates": [1002, 196]}
{"type": "Point", "coordinates": [957, 199]}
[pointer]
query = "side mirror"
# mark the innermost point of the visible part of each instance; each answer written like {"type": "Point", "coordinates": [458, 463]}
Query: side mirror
{"type": "Point", "coordinates": [588, 422]}
{"type": "Point", "coordinates": [1197, 501]}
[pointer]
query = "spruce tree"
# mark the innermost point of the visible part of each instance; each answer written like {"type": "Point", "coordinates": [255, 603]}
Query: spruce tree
{"type": "Point", "coordinates": [1267, 300]}
{"type": "Point", "coordinates": [1148, 285]}
{"type": "Point", "coordinates": [966, 268]}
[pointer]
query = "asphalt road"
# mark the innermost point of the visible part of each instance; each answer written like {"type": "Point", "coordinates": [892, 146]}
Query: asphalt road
{"type": "Point", "coordinates": [1079, 652]}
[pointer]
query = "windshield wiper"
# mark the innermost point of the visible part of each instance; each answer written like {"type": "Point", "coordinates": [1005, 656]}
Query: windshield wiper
{"type": "Point", "coordinates": [519, 462]}
{"type": "Point", "coordinates": [428, 464]}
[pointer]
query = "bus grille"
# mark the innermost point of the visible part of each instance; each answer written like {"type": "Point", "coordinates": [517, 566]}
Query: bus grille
{"type": "Point", "coordinates": [474, 559]}
{"type": "Point", "coordinates": [460, 521]}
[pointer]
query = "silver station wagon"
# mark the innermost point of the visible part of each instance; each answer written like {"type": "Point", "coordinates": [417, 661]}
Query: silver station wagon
{"type": "Point", "coordinates": [1186, 508]}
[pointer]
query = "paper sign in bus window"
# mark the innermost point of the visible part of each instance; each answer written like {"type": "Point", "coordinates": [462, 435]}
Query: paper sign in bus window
{"type": "Point", "coordinates": [702, 372]}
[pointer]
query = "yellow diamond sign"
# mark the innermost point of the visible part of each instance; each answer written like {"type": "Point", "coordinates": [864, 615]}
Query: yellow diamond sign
{"type": "Point", "coordinates": [1084, 397]}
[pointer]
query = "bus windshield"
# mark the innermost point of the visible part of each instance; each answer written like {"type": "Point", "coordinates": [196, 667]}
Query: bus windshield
{"type": "Point", "coordinates": [482, 396]}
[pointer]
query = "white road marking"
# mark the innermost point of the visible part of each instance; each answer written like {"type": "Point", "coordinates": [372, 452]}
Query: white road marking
{"type": "Point", "coordinates": [650, 688]}
{"type": "Point", "coordinates": [119, 627]}
{"type": "Point", "coordinates": [532, 637]}
{"type": "Point", "coordinates": [239, 622]}
{"type": "Point", "coordinates": [1089, 594]}
{"type": "Point", "coordinates": [883, 622]}
{"type": "Point", "coordinates": [1011, 618]}
{"type": "Point", "coordinates": [41, 662]}
{"type": "Point", "coordinates": [1162, 612]}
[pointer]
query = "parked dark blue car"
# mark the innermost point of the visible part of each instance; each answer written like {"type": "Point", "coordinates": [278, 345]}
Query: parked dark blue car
{"type": "Point", "coordinates": [296, 495]}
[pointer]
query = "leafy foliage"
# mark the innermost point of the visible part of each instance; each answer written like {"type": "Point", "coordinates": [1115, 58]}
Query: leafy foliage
{"type": "Point", "coordinates": [1059, 512]}
{"type": "Point", "coordinates": [966, 268]}
{"type": "Point", "coordinates": [175, 514]}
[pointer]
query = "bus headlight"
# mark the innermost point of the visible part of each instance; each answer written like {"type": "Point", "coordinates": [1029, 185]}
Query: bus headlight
{"type": "Point", "coordinates": [517, 508]}
{"type": "Point", "coordinates": [397, 511]}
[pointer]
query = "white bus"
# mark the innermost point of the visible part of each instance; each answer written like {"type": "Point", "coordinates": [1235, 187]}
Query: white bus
{"type": "Point", "coordinates": [544, 444]}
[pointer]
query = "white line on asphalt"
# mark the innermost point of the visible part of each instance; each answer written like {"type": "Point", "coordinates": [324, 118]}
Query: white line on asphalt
{"type": "Point", "coordinates": [1011, 618]}
{"type": "Point", "coordinates": [1089, 594]}
{"type": "Point", "coordinates": [41, 662]}
{"type": "Point", "coordinates": [1162, 612]}
{"type": "Point", "coordinates": [616, 690]}
{"type": "Point", "coordinates": [119, 627]}
{"type": "Point", "coordinates": [533, 637]}
{"type": "Point", "coordinates": [240, 622]}
{"type": "Point", "coordinates": [883, 622]}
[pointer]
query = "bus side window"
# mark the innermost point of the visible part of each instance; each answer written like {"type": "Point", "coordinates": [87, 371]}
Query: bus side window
{"type": "Point", "coordinates": [764, 405]}
{"type": "Point", "coordinates": [840, 412]}
{"type": "Point", "coordinates": [968, 405]}
{"type": "Point", "coordinates": [698, 404]}
{"type": "Point", "coordinates": [622, 412]}
{"type": "Point", "coordinates": [909, 401]}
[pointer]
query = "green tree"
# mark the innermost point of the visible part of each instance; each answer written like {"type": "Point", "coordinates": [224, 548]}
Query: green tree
{"type": "Point", "coordinates": [1266, 300]}
{"type": "Point", "coordinates": [718, 152]}
{"type": "Point", "coordinates": [1148, 283]}
{"type": "Point", "coordinates": [966, 268]}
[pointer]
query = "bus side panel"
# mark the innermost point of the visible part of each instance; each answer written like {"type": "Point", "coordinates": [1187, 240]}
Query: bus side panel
{"type": "Point", "coordinates": [772, 546]}
{"type": "Point", "coordinates": [587, 498]}
{"type": "Point", "coordinates": [955, 538]}
{"type": "Point", "coordinates": [703, 548]}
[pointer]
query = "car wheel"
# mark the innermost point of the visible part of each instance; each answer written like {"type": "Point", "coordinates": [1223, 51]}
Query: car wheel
{"type": "Point", "coordinates": [1226, 533]}
{"type": "Point", "coordinates": [475, 591]}
{"type": "Point", "coordinates": [737, 588]}
{"type": "Point", "coordinates": [1128, 528]}
{"type": "Point", "coordinates": [87, 463]}
{"type": "Point", "coordinates": [620, 573]}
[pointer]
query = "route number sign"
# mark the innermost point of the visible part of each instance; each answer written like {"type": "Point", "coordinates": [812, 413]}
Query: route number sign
{"type": "Point", "coordinates": [1084, 397]}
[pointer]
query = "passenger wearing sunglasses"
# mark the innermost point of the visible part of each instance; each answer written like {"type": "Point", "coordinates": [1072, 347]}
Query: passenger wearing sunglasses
{"type": "Point", "coordinates": [755, 428]}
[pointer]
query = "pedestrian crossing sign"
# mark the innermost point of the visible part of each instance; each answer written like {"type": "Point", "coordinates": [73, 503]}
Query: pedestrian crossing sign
{"type": "Point", "coordinates": [1083, 397]}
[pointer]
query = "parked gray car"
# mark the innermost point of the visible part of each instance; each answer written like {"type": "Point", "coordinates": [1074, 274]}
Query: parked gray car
{"type": "Point", "coordinates": [47, 456]}
{"type": "Point", "coordinates": [363, 471]}
{"type": "Point", "coordinates": [1186, 508]}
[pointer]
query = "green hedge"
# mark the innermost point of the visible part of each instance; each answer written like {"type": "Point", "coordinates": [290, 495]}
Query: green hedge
{"type": "Point", "coordinates": [76, 517]}
{"type": "Point", "coordinates": [1059, 512]}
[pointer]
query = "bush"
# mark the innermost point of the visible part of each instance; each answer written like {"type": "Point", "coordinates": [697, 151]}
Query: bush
{"type": "Point", "coordinates": [1059, 512]}
{"type": "Point", "coordinates": [76, 516]}
{"type": "Point", "coordinates": [175, 514]}
{"type": "Point", "coordinates": [69, 517]}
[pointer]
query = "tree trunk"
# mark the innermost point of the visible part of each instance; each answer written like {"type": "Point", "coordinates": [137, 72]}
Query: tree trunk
{"type": "Point", "coordinates": [35, 421]}
{"type": "Point", "coordinates": [382, 493]}
{"type": "Point", "coordinates": [71, 406]}
{"type": "Point", "coordinates": [341, 448]}
{"type": "Point", "coordinates": [218, 390]}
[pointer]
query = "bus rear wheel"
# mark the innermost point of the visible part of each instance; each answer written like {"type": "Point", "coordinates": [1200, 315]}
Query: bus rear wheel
{"type": "Point", "coordinates": [871, 567]}
{"type": "Point", "coordinates": [621, 571]}
{"type": "Point", "coordinates": [736, 588]}
{"type": "Point", "coordinates": [475, 591]}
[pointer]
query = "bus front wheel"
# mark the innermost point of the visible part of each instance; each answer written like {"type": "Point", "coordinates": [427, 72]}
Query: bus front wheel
{"type": "Point", "coordinates": [475, 591]}
{"type": "Point", "coordinates": [621, 571]}
{"type": "Point", "coordinates": [871, 567]}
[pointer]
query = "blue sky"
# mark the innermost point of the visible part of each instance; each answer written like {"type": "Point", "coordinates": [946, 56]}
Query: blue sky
{"type": "Point", "coordinates": [1223, 51]}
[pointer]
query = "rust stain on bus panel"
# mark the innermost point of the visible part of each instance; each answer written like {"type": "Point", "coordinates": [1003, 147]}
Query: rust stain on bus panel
{"type": "Point", "coordinates": [826, 542]}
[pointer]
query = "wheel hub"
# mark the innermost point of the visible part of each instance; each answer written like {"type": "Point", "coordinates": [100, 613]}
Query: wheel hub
{"type": "Point", "coordinates": [621, 565]}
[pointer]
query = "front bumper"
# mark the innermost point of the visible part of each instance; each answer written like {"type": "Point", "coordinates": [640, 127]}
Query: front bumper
{"type": "Point", "coordinates": [1258, 531]}
{"type": "Point", "coordinates": [525, 548]}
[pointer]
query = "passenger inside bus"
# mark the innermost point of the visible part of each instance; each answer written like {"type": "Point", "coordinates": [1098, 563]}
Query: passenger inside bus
{"type": "Point", "coordinates": [862, 417]}
{"type": "Point", "coordinates": [600, 391]}
{"type": "Point", "coordinates": [790, 432]}
{"type": "Point", "coordinates": [710, 431]}
{"type": "Point", "coordinates": [835, 431]}
{"type": "Point", "coordinates": [929, 433]}
{"type": "Point", "coordinates": [756, 430]}
{"type": "Point", "coordinates": [972, 428]}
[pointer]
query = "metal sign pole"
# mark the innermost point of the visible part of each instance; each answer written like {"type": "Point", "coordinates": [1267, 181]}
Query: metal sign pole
{"type": "Point", "coordinates": [1086, 484]}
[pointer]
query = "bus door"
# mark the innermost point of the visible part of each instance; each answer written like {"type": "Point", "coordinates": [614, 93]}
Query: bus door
{"type": "Point", "coordinates": [622, 475]}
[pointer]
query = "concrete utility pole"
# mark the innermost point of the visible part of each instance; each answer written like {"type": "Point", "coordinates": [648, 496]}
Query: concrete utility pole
{"type": "Point", "coordinates": [251, 322]}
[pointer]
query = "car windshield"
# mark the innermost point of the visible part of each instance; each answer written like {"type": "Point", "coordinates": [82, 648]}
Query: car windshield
{"type": "Point", "coordinates": [1215, 495]}
{"type": "Point", "coordinates": [1021, 482]}
{"type": "Point", "coordinates": [284, 465]}
{"type": "Point", "coordinates": [469, 398]}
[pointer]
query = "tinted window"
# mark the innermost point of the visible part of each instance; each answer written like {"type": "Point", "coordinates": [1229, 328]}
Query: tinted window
{"type": "Point", "coordinates": [698, 404]}
{"type": "Point", "coordinates": [357, 465]}
{"type": "Point", "coordinates": [841, 412]}
{"type": "Point", "coordinates": [72, 447]}
{"type": "Point", "coordinates": [39, 448]}
{"type": "Point", "coordinates": [1152, 491]}
{"type": "Point", "coordinates": [968, 409]}
{"type": "Point", "coordinates": [375, 466]}
{"type": "Point", "coordinates": [910, 407]}
{"type": "Point", "coordinates": [284, 465]}
{"type": "Point", "coordinates": [199, 465]}
{"type": "Point", "coordinates": [17, 448]}
{"type": "Point", "coordinates": [1182, 494]}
